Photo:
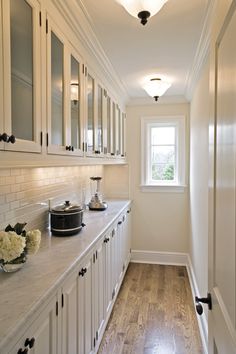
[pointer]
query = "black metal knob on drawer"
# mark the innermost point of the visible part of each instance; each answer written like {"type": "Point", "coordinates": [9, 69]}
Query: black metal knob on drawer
{"type": "Point", "coordinates": [82, 272]}
{"type": "Point", "coordinates": [22, 351]}
{"type": "Point", "coordinates": [30, 342]}
{"type": "Point", "coordinates": [12, 139]}
{"type": "Point", "coordinates": [4, 137]}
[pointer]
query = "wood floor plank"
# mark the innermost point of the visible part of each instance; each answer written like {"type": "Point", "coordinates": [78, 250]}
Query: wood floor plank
{"type": "Point", "coordinates": [153, 314]}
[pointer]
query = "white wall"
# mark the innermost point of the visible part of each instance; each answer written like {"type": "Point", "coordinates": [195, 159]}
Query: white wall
{"type": "Point", "coordinates": [199, 120]}
{"type": "Point", "coordinates": [160, 220]}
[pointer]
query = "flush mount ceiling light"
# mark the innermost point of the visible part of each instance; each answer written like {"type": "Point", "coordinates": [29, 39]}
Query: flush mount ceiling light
{"type": "Point", "coordinates": [142, 9]}
{"type": "Point", "coordinates": [156, 87]}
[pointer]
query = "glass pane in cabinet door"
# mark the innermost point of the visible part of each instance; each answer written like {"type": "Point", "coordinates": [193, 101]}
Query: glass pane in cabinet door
{"type": "Point", "coordinates": [114, 128]}
{"type": "Point", "coordinates": [100, 127]}
{"type": "Point", "coordinates": [22, 81]}
{"type": "Point", "coordinates": [57, 91]}
{"type": "Point", "coordinates": [75, 104]}
{"type": "Point", "coordinates": [119, 131]}
{"type": "Point", "coordinates": [108, 124]}
{"type": "Point", "coordinates": [90, 107]}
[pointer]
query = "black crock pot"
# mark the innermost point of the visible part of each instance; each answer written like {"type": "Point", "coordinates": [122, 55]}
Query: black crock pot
{"type": "Point", "coordinates": [66, 219]}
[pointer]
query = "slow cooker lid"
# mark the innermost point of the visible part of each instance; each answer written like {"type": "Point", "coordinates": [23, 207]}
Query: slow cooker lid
{"type": "Point", "coordinates": [67, 207]}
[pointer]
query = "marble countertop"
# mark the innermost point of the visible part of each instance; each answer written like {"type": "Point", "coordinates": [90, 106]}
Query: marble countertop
{"type": "Point", "coordinates": [23, 292]}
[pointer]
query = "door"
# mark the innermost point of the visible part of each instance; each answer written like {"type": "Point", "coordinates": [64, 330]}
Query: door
{"type": "Point", "coordinates": [41, 337]}
{"type": "Point", "coordinates": [69, 301]}
{"type": "Point", "coordinates": [222, 274]}
{"type": "Point", "coordinates": [21, 75]}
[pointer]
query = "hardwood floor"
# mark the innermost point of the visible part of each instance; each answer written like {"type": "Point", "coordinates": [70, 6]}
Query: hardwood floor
{"type": "Point", "coordinates": [153, 314]}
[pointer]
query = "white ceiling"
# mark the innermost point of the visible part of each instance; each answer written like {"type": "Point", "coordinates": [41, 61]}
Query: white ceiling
{"type": "Point", "coordinates": [165, 47]}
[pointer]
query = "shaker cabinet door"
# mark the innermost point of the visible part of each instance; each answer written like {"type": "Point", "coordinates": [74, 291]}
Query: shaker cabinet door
{"type": "Point", "coordinates": [21, 75]}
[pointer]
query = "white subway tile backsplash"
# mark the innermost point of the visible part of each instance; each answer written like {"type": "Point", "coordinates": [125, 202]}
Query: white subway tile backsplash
{"type": "Point", "coordinates": [24, 193]}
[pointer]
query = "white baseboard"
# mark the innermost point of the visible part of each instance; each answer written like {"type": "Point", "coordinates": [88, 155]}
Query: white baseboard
{"type": "Point", "coordinates": [175, 258]}
{"type": "Point", "coordinates": [152, 257]}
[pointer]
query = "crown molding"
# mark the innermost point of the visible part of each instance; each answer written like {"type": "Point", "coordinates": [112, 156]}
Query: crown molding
{"type": "Point", "coordinates": [202, 51]}
{"type": "Point", "coordinates": [79, 21]}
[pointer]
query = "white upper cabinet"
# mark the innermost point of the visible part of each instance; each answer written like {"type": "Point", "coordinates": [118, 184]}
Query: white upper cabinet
{"type": "Point", "coordinates": [65, 100]}
{"type": "Point", "coordinates": [21, 130]}
{"type": "Point", "coordinates": [50, 102]}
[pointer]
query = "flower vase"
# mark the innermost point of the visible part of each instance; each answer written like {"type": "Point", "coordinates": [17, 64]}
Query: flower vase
{"type": "Point", "coordinates": [11, 267]}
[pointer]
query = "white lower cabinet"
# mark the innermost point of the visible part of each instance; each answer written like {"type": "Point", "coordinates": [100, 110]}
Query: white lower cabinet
{"type": "Point", "coordinates": [74, 320]}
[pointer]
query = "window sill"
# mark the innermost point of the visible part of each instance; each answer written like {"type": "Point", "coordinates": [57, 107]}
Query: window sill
{"type": "Point", "coordinates": [163, 189]}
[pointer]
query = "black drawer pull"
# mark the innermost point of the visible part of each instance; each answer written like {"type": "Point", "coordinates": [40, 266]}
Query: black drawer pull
{"type": "Point", "coordinates": [29, 342]}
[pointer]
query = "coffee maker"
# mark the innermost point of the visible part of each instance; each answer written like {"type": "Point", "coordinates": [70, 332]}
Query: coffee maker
{"type": "Point", "coordinates": [96, 202]}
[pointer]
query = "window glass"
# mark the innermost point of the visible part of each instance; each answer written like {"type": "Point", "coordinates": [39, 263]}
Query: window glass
{"type": "Point", "coordinates": [163, 154]}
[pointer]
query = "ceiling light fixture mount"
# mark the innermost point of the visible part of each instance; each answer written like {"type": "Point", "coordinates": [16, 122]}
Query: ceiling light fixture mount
{"type": "Point", "coordinates": [143, 9]}
{"type": "Point", "coordinates": [144, 15]}
{"type": "Point", "coordinates": [156, 88]}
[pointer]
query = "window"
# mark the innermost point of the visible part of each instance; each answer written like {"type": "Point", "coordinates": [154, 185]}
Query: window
{"type": "Point", "coordinates": [163, 152]}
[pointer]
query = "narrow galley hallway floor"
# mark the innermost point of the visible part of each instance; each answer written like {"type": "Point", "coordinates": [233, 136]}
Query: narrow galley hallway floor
{"type": "Point", "coordinates": [153, 313]}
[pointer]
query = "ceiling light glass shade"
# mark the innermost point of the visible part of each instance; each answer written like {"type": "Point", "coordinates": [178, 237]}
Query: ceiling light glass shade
{"type": "Point", "coordinates": [156, 88]}
{"type": "Point", "coordinates": [134, 7]}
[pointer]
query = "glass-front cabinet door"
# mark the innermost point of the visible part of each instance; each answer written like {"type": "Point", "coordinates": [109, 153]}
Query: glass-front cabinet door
{"type": "Point", "coordinates": [107, 138]}
{"type": "Point", "coordinates": [21, 129]}
{"type": "Point", "coordinates": [1, 84]}
{"type": "Point", "coordinates": [64, 95]}
{"type": "Point", "coordinates": [90, 112]}
{"type": "Point", "coordinates": [75, 123]}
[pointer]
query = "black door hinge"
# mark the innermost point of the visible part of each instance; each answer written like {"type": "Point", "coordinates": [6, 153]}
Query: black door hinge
{"type": "Point", "coordinates": [94, 258]}
{"type": "Point", "coordinates": [40, 18]}
{"type": "Point", "coordinates": [96, 335]}
{"type": "Point", "coordinates": [46, 25]}
{"type": "Point", "coordinates": [94, 342]}
{"type": "Point", "coordinates": [41, 138]}
{"type": "Point", "coordinates": [47, 139]}
{"type": "Point", "coordinates": [62, 300]}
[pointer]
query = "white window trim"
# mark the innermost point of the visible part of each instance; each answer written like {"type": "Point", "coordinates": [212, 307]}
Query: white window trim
{"type": "Point", "coordinates": [179, 185]}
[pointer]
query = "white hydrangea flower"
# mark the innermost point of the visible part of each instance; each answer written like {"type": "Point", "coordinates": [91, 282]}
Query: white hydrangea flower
{"type": "Point", "coordinates": [11, 245]}
{"type": "Point", "coordinates": [33, 239]}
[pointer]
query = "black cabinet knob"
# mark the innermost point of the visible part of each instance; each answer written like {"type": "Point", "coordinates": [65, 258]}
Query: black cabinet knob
{"type": "Point", "coordinates": [29, 342]}
{"type": "Point", "coordinates": [119, 222]}
{"type": "Point", "coordinates": [12, 139]}
{"type": "Point", "coordinates": [4, 137]}
{"type": "Point", "coordinates": [106, 239]}
{"type": "Point", "coordinates": [68, 147]}
{"type": "Point", "coordinates": [82, 272]}
{"type": "Point", "coordinates": [199, 309]}
{"type": "Point", "coordinates": [22, 351]}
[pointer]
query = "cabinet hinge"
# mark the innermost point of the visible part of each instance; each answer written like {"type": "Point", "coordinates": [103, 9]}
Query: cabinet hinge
{"type": "Point", "coordinates": [96, 254]}
{"type": "Point", "coordinates": [105, 93]}
{"type": "Point", "coordinates": [83, 68]}
{"type": "Point", "coordinates": [94, 342]}
{"type": "Point", "coordinates": [46, 25]}
{"type": "Point", "coordinates": [96, 335]}
{"type": "Point", "coordinates": [40, 18]}
{"type": "Point", "coordinates": [57, 308]}
{"type": "Point", "coordinates": [113, 294]}
{"type": "Point", "coordinates": [86, 71]}
{"type": "Point", "coordinates": [94, 258]}
{"type": "Point", "coordinates": [113, 233]}
{"type": "Point", "coordinates": [41, 138]}
{"type": "Point", "coordinates": [47, 139]}
{"type": "Point", "coordinates": [62, 300]}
